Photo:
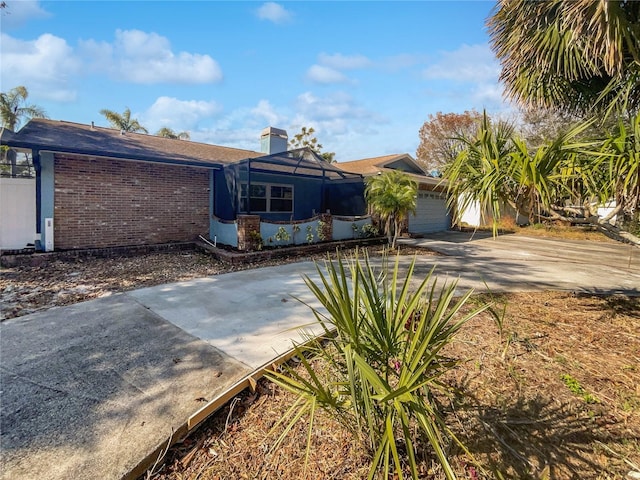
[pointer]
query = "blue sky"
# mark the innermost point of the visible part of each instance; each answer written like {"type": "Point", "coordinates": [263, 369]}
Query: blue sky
{"type": "Point", "coordinates": [364, 75]}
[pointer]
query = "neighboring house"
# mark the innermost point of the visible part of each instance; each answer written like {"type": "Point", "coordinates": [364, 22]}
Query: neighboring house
{"type": "Point", "coordinates": [98, 187]}
{"type": "Point", "coordinates": [432, 213]}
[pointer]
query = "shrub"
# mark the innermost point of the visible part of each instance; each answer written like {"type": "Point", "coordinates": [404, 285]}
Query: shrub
{"type": "Point", "coordinates": [383, 357]}
{"type": "Point", "coordinates": [309, 236]}
{"type": "Point", "coordinates": [282, 235]}
{"type": "Point", "coordinates": [369, 230]}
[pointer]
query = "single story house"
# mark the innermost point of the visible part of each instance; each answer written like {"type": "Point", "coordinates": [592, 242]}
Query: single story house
{"type": "Point", "coordinates": [432, 213]}
{"type": "Point", "coordinates": [99, 187]}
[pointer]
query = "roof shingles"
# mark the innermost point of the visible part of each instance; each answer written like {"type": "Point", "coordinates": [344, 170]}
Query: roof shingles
{"type": "Point", "coordinates": [68, 137]}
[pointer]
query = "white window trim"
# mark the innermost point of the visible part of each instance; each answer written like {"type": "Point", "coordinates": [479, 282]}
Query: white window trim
{"type": "Point", "coordinates": [268, 195]}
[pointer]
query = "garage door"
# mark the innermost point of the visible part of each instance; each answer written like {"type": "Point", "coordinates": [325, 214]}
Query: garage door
{"type": "Point", "coordinates": [431, 214]}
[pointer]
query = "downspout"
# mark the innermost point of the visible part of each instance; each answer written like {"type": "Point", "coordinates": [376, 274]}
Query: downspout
{"type": "Point", "coordinates": [236, 191]}
{"type": "Point", "coordinates": [212, 202]}
{"type": "Point", "coordinates": [249, 186]}
{"type": "Point", "coordinates": [323, 203]}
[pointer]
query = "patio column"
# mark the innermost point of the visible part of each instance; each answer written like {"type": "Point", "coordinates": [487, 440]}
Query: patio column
{"type": "Point", "coordinates": [249, 237]}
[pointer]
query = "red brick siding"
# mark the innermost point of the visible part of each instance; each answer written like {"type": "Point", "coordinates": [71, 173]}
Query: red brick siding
{"type": "Point", "coordinates": [106, 203]}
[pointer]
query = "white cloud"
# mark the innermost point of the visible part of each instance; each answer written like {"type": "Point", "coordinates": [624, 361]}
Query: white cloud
{"type": "Point", "coordinates": [265, 111]}
{"type": "Point", "coordinates": [344, 62]}
{"type": "Point", "coordinates": [328, 69]}
{"type": "Point", "coordinates": [274, 12]}
{"type": "Point", "coordinates": [246, 138]}
{"type": "Point", "coordinates": [47, 66]}
{"type": "Point", "coordinates": [342, 124]}
{"type": "Point", "coordinates": [469, 63]}
{"type": "Point", "coordinates": [325, 75]}
{"type": "Point", "coordinates": [17, 13]}
{"type": "Point", "coordinates": [147, 58]}
{"type": "Point", "coordinates": [336, 105]}
{"type": "Point", "coordinates": [490, 95]}
{"type": "Point", "coordinates": [178, 114]}
{"type": "Point", "coordinates": [241, 127]}
{"type": "Point", "coordinates": [97, 55]}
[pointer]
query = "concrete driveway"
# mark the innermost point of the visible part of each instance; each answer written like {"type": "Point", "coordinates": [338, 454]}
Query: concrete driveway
{"type": "Point", "coordinates": [518, 263]}
{"type": "Point", "coordinates": [93, 390]}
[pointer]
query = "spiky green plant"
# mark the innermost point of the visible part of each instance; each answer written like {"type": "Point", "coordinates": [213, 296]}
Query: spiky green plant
{"type": "Point", "coordinates": [385, 331]}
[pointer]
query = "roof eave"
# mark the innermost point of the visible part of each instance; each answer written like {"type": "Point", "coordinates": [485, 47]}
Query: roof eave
{"type": "Point", "coordinates": [12, 142]}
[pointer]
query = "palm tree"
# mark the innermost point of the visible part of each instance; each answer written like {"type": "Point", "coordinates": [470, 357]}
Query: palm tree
{"type": "Point", "coordinates": [392, 196]}
{"type": "Point", "coordinates": [562, 179]}
{"type": "Point", "coordinates": [123, 121]}
{"type": "Point", "coordinates": [580, 56]}
{"type": "Point", "coordinates": [480, 172]}
{"type": "Point", "coordinates": [559, 54]}
{"type": "Point", "coordinates": [619, 168]}
{"type": "Point", "coordinates": [167, 132]}
{"type": "Point", "coordinates": [13, 109]}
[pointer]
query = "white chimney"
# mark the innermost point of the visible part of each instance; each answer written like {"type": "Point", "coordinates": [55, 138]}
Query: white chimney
{"type": "Point", "coordinates": [273, 140]}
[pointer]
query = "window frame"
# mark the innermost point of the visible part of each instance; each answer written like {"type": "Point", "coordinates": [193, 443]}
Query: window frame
{"type": "Point", "coordinates": [245, 200]}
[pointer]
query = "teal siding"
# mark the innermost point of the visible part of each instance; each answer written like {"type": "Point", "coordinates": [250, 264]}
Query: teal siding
{"type": "Point", "coordinates": [46, 180]}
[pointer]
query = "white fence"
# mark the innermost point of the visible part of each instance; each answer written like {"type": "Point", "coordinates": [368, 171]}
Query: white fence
{"type": "Point", "coordinates": [17, 212]}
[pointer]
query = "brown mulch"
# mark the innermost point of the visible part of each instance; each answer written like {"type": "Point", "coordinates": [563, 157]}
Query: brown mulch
{"type": "Point", "coordinates": [518, 410]}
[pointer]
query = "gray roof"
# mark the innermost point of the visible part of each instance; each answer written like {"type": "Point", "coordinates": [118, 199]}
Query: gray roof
{"type": "Point", "coordinates": [74, 138]}
{"type": "Point", "coordinates": [301, 162]}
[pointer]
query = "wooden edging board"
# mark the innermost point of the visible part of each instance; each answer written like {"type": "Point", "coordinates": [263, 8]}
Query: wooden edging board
{"type": "Point", "coordinates": [249, 381]}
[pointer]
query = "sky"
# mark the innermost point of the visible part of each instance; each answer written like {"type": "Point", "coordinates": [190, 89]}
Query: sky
{"type": "Point", "coordinates": [364, 75]}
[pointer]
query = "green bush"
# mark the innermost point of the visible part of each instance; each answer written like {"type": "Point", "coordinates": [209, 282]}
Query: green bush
{"type": "Point", "coordinates": [383, 360]}
{"type": "Point", "coordinates": [282, 235]}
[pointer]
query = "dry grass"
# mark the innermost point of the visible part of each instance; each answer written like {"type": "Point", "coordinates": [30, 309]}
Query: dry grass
{"type": "Point", "coordinates": [515, 408]}
{"type": "Point", "coordinates": [549, 230]}
{"type": "Point", "coordinates": [563, 232]}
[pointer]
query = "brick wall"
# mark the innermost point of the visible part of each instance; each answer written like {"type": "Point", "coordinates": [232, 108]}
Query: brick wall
{"type": "Point", "coordinates": [105, 203]}
{"type": "Point", "coordinates": [249, 233]}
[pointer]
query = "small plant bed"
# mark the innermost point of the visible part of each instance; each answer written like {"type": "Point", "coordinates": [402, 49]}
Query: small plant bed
{"type": "Point", "coordinates": [548, 388]}
{"type": "Point", "coordinates": [266, 253]}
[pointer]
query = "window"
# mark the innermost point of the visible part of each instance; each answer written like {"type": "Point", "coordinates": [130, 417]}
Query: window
{"type": "Point", "coordinates": [266, 197]}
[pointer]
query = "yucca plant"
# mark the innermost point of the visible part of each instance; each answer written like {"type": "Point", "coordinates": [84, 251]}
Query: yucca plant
{"type": "Point", "coordinates": [384, 334]}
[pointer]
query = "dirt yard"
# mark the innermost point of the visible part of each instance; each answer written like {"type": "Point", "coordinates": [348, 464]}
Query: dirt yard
{"type": "Point", "coordinates": [553, 394]}
{"type": "Point", "coordinates": [27, 289]}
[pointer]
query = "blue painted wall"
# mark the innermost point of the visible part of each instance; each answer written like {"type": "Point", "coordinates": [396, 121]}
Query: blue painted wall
{"type": "Point", "coordinates": [341, 198]}
{"type": "Point", "coordinates": [45, 185]}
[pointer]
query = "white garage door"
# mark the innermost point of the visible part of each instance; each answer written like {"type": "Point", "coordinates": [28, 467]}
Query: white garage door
{"type": "Point", "coordinates": [431, 214]}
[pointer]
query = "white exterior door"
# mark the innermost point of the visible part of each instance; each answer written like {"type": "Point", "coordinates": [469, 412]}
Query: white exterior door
{"type": "Point", "coordinates": [431, 214]}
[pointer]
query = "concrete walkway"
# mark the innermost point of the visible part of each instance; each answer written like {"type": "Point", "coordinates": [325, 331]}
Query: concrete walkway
{"type": "Point", "coordinates": [93, 390]}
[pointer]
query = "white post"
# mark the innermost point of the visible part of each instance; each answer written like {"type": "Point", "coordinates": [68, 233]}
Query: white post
{"type": "Point", "coordinates": [48, 234]}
